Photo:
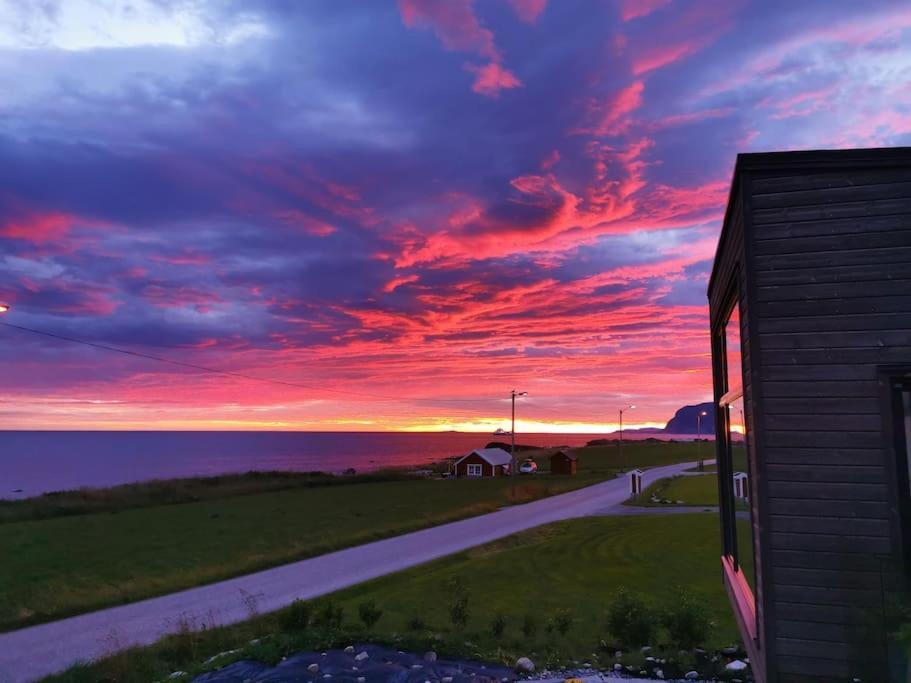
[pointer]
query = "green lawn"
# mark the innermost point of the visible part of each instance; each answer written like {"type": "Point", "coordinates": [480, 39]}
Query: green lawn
{"type": "Point", "coordinates": [64, 565]}
{"type": "Point", "coordinates": [695, 489]}
{"type": "Point", "coordinates": [574, 566]}
{"type": "Point", "coordinates": [608, 459]}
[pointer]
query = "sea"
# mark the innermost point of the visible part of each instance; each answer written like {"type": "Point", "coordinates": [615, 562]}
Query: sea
{"type": "Point", "coordinates": [36, 462]}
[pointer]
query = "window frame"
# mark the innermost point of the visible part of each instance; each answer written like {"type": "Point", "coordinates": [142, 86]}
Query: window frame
{"type": "Point", "coordinates": [474, 470]}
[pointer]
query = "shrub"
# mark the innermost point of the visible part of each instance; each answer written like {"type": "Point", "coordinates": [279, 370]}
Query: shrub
{"type": "Point", "coordinates": [458, 606]}
{"type": "Point", "coordinates": [329, 616]}
{"type": "Point", "coordinates": [369, 613]}
{"type": "Point", "coordinates": [498, 625]}
{"type": "Point", "coordinates": [630, 619]}
{"type": "Point", "coordinates": [297, 617]}
{"type": "Point", "coordinates": [529, 626]}
{"type": "Point", "coordinates": [416, 623]}
{"type": "Point", "coordinates": [687, 621]}
{"type": "Point", "coordinates": [562, 621]}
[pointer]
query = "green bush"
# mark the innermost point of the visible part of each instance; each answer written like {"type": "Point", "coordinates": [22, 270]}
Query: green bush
{"type": "Point", "coordinates": [498, 625]}
{"type": "Point", "coordinates": [369, 613]}
{"type": "Point", "coordinates": [297, 617]}
{"type": "Point", "coordinates": [416, 623]}
{"type": "Point", "coordinates": [562, 621]}
{"type": "Point", "coordinates": [687, 621]}
{"type": "Point", "coordinates": [630, 619]}
{"type": "Point", "coordinates": [329, 616]}
{"type": "Point", "coordinates": [529, 626]}
{"type": "Point", "coordinates": [458, 606]}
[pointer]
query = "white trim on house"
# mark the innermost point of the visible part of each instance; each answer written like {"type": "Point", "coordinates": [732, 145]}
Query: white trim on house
{"type": "Point", "coordinates": [474, 470]}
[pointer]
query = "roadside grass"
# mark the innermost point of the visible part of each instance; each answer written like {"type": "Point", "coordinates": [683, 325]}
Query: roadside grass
{"type": "Point", "coordinates": [569, 569]}
{"type": "Point", "coordinates": [696, 489]}
{"type": "Point", "coordinates": [65, 565]}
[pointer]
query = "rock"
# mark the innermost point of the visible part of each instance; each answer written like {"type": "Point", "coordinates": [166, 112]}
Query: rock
{"type": "Point", "coordinates": [327, 675]}
{"type": "Point", "coordinates": [361, 679]}
{"type": "Point", "coordinates": [417, 666]}
{"type": "Point", "coordinates": [618, 654]}
{"type": "Point", "coordinates": [313, 668]}
{"type": "Point", "coordinates": [736, 665]}
{"type": "Point", "coordinates": [177, 674]}
{"type": "Point", "coordinates": [647, 648]}
{"type": "Point", "coordinates": [618, 666]}
{"type": "Point", "coordinates": [525, 666]}
{"type": "Point", "coordinates": [691, 675]}
{"type": "Point", "coordinates": [430, 656]}
{"type": "Point", "coordinates": [650, 659]}
{"type": "Point", "coordinates": [446, 679]}
{"type": "Point", "coordinates": [659, 673]}
{"type": "Point", "coordinates": [255, 642]}
{"type": "Point", "coordinates": [587, 665]}
{"type": "Point", "coordinates": [349, 650]}
{"type": "Point", "coordinates": [361, 656]}
{"type": "Point", "coordinates": [729, 651]}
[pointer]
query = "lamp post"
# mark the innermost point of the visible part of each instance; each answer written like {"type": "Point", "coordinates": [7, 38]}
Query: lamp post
{"type": "Point", "coordinates": [512, 433]}
{"type": "Point", "coordinates": [4, 308]}
{"type": "Point", "coordinates": [620, 442]}
{"type": "Point", "coordinates": [699, 417]}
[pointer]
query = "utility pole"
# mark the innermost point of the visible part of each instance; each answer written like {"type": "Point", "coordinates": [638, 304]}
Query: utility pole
{"type": "Point", "coordinates": [512, 433]}
{"type": "Point", "coordinates": [620, 442]}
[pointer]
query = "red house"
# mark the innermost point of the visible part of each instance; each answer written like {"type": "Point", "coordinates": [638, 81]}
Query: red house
{"type": "Point", "coordinates": [483, 462]}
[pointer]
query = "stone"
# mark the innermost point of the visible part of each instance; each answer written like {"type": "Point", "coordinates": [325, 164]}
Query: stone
{"type": "Point", "coordinates": [587, 665]}
{"type": "Point", "coordinates": [349, 650]}
{"type": "Point", "coordinates": [736, 665]}
{"type": "Point", "coordinates": [525, 666]}
{"type": "Point", "coordinates": [647, 648]}
{"type": "Point", "coordinates": [361, 656]}
{"type": "Point", "coordinates": [659, 673]}
{"type": "Point", "coordinates": [327, 675]}
{"type": "Point", "coordinates": [361, 679]}
{"type": "Point", "coordinates": [618, 654]}
{"type": "Point", "coordinates": [417, 666]}
{"type": "Point", "coordinates": [618, 667]}
{"type": "Point", "coordinates": [729, 651]}
{"type": "Point", "coordinates": [446, 679]}
{"type": "Point", "coordinates": [691, 675]}
{"type": "Point", "coordinates": [313, 668]}
{"type": "Point", "coordinates": [177, 674]}
{"type": "Point", "coordinates": [430, 656]}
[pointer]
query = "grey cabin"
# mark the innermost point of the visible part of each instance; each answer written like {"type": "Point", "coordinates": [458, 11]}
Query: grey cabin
{"type": "Point", "coordinates": [810, 309]}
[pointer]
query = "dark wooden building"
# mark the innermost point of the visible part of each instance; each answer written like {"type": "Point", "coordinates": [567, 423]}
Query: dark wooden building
{"type": "Point", "coordinates": [810, 301]}
{"type": "Point", "coordinates": [483, 462]}
{"type": "Point", "coordinates": [563, 462]}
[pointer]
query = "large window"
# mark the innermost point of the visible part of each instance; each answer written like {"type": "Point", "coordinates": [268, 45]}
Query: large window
{"type": "Point", "coordinates": [735, 470]}
{"type": "Point", "coordinates": [475, 470]}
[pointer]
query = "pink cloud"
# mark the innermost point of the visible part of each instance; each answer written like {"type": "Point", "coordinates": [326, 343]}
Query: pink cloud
{"type": "Point", "coordinates": [397, 282]}
{"type": "Point", "coordinates": [491, 78]}
{"type": "Point", "coordinates": [634, 9]}
{"type": "Point", "coordinates": [528, 10]}
{"type": "Point", "coordinates": [611, 116]}
{"type": "Point", "coordinates": [453, 22]}
{"type": "Point", "coordinates": [38, 227]}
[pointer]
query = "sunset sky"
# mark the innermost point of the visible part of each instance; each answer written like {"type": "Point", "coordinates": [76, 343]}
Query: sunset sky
{"type": "Point", "coordinates": [405, 208]}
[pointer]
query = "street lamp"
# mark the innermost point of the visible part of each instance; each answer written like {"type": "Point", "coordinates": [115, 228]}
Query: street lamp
{"type": "Point", "coordinates": [699, 417]}
{"type": "Point", "coordinates": [620, 442]}
{"type": "Point", "coordinates": [512, 433]}
{"type": "Point", "coordinates": [4, 308]}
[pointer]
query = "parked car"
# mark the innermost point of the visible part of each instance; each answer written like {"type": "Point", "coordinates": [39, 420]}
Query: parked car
{"type": "Point", "coordinates": [528, 467]}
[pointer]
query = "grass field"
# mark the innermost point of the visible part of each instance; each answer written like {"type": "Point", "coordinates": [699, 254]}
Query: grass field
{"type": "Point", "coordinates": [79, 551]}
{"type": "Point", "coordinates": [572, 567]}
{"type": "Point", "coordinates": [65, 565]}
{"type": "Point", "coordinates": [696, 489]}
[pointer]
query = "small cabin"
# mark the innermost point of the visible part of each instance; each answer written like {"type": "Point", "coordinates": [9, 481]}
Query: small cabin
{"type": "Point", "coordinates": [483, 462]}
{"type": "Point", "coordinates": [741, 485]}
{"type": "Point", "coordinates": [563, 462]}
{"type": "Point", "coordinates": [810, 314]}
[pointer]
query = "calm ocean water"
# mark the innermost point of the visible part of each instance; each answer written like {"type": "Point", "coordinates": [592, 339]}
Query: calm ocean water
{"type": "Point", "coordinates": [38, 462]}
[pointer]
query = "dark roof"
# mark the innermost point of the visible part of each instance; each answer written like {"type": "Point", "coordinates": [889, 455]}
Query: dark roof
{"type": "Point", "coordinates": [807, 160]}
{"type": "Point", "coordinates": [567, 454]}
